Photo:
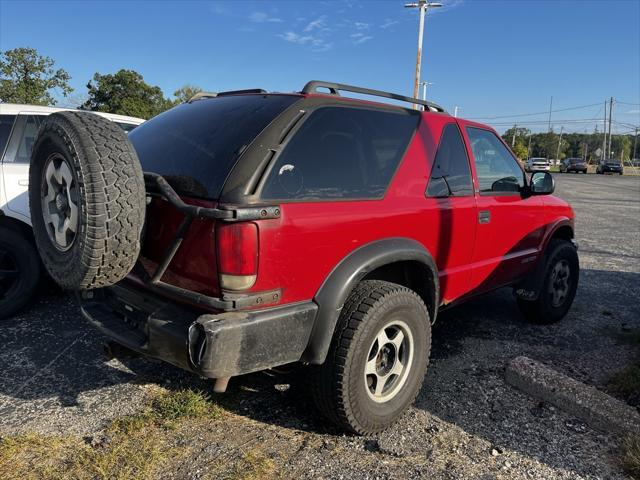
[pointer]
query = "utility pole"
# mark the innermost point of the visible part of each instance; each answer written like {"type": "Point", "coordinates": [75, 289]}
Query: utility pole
{"type": "Point", "coordinates": [455, 111]}
{"type": "Point", "coordinates": [604, 131]}
{"type": "Point", "coordinates": [550, 107]}
{"type": "Point", "coordinates": [610, 115]}
{"type": "Point", "coordinates": [513, 139]}
{"type": "Point", "coordinates": [635, 143]}
{"type": "Point", "coordinates": [423, 6]}
{"type": "Point", "coordinates": [559, 143]}
{"type": "Point", "coordinates": [529, 147]}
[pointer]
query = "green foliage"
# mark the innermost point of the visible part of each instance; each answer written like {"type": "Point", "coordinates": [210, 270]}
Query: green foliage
{"type": "Point", "coordinates": [125, 92]}
{"type": "Point", "coordinates": [28, 77]}
{"type": "Point", "coordinates": [183, 94]}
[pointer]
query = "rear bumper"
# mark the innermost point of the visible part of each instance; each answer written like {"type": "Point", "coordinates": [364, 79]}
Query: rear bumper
{"type": "Point", "coordinates": [211, 345]}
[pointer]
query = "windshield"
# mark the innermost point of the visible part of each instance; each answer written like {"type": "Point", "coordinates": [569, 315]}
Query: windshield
{"type": "Point", "coordinates": [195, 145]}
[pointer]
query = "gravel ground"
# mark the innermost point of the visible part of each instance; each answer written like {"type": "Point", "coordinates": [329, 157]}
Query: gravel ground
{"type": "Point", "coordinates": [466, 423]}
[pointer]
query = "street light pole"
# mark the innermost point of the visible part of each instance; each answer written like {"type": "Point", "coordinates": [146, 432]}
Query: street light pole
{"type": "Point", "coordinates": [424, 89]}
{"type": "Point", "coordinates": [423, 6]}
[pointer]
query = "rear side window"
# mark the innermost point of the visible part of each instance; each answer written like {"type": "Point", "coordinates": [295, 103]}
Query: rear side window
{"type": "Point", "coordinates": [451, 174]}
{"type": "Point", "coordinates": [341, 152]}
{"type": "Point", "coordinates": [195, 145]}
{"type": "Point", "coordinates": [498, 171]}
{"type": "Point", "coordinates": [127, 127]}
{"type": "Point", "coordinates": [6, 124]}
{"type": "Point", "coordinates": [27, 140]}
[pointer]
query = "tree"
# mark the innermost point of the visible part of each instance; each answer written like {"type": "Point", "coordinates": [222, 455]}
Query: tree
{"type": "Point", "coordinates": [183, 94]}
{"type": "Point", "coordinates": [28, 77]}
{"type": "Point", "coordinates": [126, 93]}
{"type": "Point", "coordinates": [520, 150]}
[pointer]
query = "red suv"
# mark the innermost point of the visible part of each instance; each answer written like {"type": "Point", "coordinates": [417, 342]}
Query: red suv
{"type": "Point", "coordinates": [245, 230]}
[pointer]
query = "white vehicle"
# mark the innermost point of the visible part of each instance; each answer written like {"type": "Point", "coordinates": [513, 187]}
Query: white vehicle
{"type": "Point", "coordinates": [537, 164]}
{"type": "Point", "coordinates": [19, 262]}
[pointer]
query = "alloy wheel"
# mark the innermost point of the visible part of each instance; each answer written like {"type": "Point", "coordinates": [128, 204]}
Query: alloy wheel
{"type": "Point", "coordinates": [60, 202]}
{"type": "Point", "coordinates": [559, 283]}
{"type": "Point", "coordinates": [389, 361]}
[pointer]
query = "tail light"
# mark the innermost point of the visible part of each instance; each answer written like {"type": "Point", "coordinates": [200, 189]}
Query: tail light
{"type": "Point", "coordinates": [237, 247]}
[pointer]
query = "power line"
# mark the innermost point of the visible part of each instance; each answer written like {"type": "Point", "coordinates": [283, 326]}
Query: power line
{"type": "Point", "coordinates": [537, 113]}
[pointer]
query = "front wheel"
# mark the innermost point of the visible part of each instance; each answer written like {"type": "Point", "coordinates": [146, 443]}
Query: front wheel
{"type": "Point", "coordinates": [560, 282]}
{"type": "Point", "coordinates": [378, 358]}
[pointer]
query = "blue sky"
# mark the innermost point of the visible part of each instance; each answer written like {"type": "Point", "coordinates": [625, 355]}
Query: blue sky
{"type": "Point", "coordinates": [490, 58]}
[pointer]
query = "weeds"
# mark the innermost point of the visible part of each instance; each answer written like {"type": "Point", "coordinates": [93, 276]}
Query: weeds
{"type": "Point", "coordinates": [132, 447]}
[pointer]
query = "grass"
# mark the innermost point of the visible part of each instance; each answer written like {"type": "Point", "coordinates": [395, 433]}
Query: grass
{"type": "Point", "coordinates": [630, 457]}
{"type": "Point", "coordinates": [134, 446]}
{"type": "Point", "coordinates": [255, 465]}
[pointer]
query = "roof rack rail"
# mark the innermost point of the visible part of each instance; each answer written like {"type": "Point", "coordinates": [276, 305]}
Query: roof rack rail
{"type": "Point", "coordinates": [240, 92]}
{"type": "Point", "coordinates": [334, 89]}
{"type": "Point", "coordinates": [201, 95]}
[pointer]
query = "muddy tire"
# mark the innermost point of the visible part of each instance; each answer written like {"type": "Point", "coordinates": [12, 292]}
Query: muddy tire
{"type": "Point", "coordinates": [560, 283]}
{"type": "Point", "coordinates": [377, 360]}
{"type": "Point", "coordinates": [87, 200]}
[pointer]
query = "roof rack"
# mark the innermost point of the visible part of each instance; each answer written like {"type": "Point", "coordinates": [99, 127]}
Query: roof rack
{"type": "Point", "coordinates": [240, 92]}
{"type": "Point", "coordinates": [334, 89]}
{"type": "Point", "coordinates": [201, 95]}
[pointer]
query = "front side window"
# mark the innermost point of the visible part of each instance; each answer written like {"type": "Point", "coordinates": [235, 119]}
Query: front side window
{"type": "Point", "coordinates": [341, 153]}
{"type": "Point", "coordinates": [497, 170]}
{"type": "Point", "coordinates": [451, 175]}
{"type": "Point", "coordinates": [27, 140]}
{"type": "Point", "coordinates": [6, 124]}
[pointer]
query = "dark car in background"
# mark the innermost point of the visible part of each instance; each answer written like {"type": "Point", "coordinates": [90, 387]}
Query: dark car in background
{"type": "Point", "coordinates": [576, 165]}
{"type": "Point", "coordinates": [609, 166]}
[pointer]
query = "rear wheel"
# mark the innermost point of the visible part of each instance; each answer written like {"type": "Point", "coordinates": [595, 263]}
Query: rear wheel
{"type": "Point", "coordinates": [87, 200]}
{"type": "Point", "coordinates": [19, 271]}
{"type": "Point", "coordinates": [378, 358]}
{"type": "Point", "coordinates": [560, 282]}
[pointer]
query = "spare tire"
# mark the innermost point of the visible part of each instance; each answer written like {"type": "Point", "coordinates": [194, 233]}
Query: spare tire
{"type": "Point", "coordinates": [87, 200]}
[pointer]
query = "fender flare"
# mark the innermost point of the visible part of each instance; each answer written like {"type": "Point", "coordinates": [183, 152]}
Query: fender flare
{"type": "Point", "coordinates": [553, 228]}
{"type": "Point", "coordinates": [530, 288]}
{"type": "Point", "coordinates": [336, 288]}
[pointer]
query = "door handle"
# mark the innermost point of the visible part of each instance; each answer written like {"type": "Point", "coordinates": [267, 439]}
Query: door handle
{"type": "Point", "coordinates": [484, 216]}
{"type": "Point", "coordinates": [23, 183]}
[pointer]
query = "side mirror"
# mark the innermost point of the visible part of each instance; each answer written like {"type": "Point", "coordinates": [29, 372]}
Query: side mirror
{"type": "Point", "coordinates": [542, 183]}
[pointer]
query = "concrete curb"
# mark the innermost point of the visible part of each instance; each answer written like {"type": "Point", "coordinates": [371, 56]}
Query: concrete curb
{"type": "Point", "coordinates": [594, 407]}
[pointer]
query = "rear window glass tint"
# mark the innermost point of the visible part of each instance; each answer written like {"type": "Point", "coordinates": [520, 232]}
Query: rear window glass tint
{"type": "Point", "coordinates": [28, 139]}
{"type": "Point", "coordinates": [195, 145]}
{"type": "Point", "coordinates": [6, 124]}
{"type": "Point", "coordinates": [341, 152]}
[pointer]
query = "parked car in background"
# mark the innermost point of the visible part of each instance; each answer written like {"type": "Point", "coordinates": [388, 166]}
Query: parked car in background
{"type": "Point", "coordinates": [261, 229]}
{"type": "Point", "coordinates": [575, 165]}
{"type": "Point", "coordinates": [537, 164]}
{"type": "Point", "coordinates": [609, 166]}
{"type": "Point", "coordinates": [19, 261]}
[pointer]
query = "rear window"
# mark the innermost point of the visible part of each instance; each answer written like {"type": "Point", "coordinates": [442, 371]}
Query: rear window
{"type": "Point", "coordinates": [195, 145]}
{"type": "Point", "coordinates": [341, 153]}
{"type": "Point", "coordinates": [6, 124]}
